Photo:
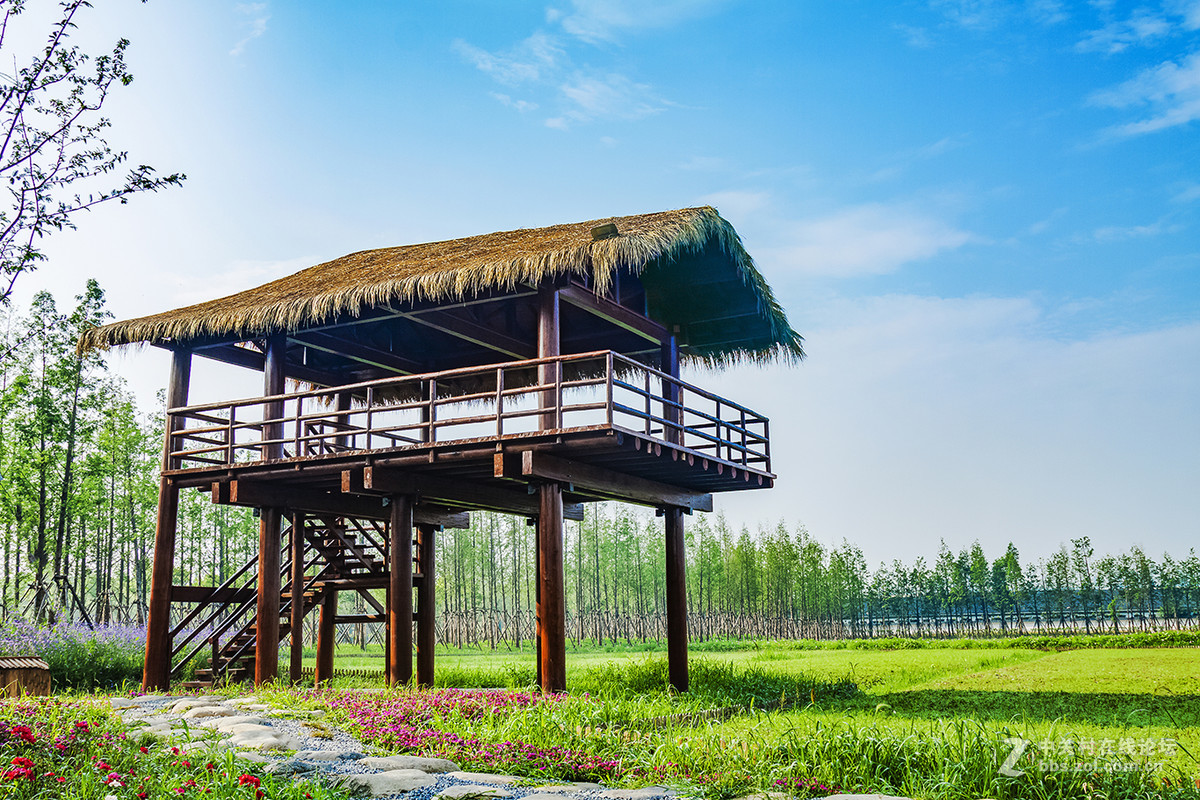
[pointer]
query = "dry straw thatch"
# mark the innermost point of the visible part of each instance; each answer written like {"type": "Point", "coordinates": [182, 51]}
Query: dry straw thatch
{"type": "Point", "coordinates": [452, 270]}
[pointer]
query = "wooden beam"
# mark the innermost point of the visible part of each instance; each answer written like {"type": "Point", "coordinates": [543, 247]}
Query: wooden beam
{"type": "Point", "coordinates": [209, 594]}
{"type": "Point", "coordinates": [156, 671]}
{"type": "Point", "coordinates": [601, 481]}
{"type": "Point", "coordinates": [451, 491]}
{"type": "Point", "coordinates": [364, 354]}
{"type": "Point", "coordinates": [256, 494]}
{"type": "Point", "coordinates": [614, 313]}
{"type": "Point", "coordinates": [471, 331]}
{"type": "Point", "coordinates": [252, 359]}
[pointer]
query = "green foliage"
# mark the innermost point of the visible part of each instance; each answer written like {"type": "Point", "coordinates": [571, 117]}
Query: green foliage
{"type": "Point", "coordinates": [76, 749]}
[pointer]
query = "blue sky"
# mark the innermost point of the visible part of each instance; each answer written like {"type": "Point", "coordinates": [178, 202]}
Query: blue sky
{"type": "Point", "coordinates": [982, 215]}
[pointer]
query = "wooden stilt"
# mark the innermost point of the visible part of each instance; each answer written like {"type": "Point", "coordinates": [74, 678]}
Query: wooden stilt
{"type": "Point", "coordinates": [296, 617]}
{"type": "Point", "coordinates": [426, 603]}
{"type": "Point", "coordinates": [552, 611]}
{"type": "Point", "coordinates": [266, 650]}
{"type": "Point", "coordinates": [677, 633]}
{"type": "Point", "coordinates": [400, 606]}
{"type": "Point", "coordinates": [676, 585]}
{"type": "Point", "coordinates": [325, 636]}
{"type": "Point", "coordinates": [156, 671]}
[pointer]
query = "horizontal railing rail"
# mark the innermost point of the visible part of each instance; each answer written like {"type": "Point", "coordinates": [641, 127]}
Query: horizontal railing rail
{"type": "Point", "coordinates": [578, 391]}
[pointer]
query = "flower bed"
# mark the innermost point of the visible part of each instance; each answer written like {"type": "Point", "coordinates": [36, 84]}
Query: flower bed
{"type": "Point", "coordinates": [103, 657]}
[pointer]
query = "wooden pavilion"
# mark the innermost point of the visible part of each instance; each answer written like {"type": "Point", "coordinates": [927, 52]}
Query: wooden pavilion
{"type": "Point", "coordinates": [525, 372]}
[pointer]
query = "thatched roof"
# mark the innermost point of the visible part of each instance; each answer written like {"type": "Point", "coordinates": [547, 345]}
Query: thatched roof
{"type": "Point", "coordinates": [669, 246]}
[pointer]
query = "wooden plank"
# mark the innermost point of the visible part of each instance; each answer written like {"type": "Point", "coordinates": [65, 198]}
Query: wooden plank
{"type": "Point", "coordinates": [626, 318]}
{"type": "Point", "coordinates": [456, 492]}
{"type": "Point", "coordinates": [601, 481]}
{"type": "Point", "coordinates": [551, 611]}
{"type": "Point", "coordinates": [399, 599]}
{"type": "Point", "coordinates": [156, 671]}
{"type": "Point", "coordinates": [676, 595]}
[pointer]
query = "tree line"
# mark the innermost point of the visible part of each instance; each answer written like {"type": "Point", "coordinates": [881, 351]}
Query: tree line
{"type": "Point", "coordinates": [79, 463]}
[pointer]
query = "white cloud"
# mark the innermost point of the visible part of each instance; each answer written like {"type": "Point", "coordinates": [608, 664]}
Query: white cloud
{"type": "Point", "coordinates": [1141, 28]}
{"type": "Point", "coordinates": [968, 418]}
{"type": "Point", "coordinates": [1188, 194]}
{"type": "Point", "coordinates": [530, 61]}
{"type": "Point", "coordinates": [1122, 233]}
{"type": "Point", "coordinates": [519, 105]}
{"type": "Point", "coordinates": [1171, 90]}
{"type": "Point", "coordinates": [603, 20]}
{"type": "Point", "coordinates": [871, 239]}
{"type": "Point", "coordinates": [980, 14]}
{"type": "Point", "coordinates": [915, 37]}
{"type": "Point", "coordinates": [611, 96]}
{"type": "Point", "coordinates": [256, 17]}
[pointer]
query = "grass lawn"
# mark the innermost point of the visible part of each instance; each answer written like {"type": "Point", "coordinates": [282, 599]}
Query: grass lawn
{"type": "Point", "coordinates": [1143, 699]}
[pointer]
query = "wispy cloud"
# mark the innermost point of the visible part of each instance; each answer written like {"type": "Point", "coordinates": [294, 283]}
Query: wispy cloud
{"type": "Point", "coordinates": [519, 105]}
{"type": "Point", "coordinates": [530, 61]}
{"type": "Point", "coordinates": [1171, 92]}
{"type": "Point", "coordinates": [905, 160]}
{"type": "Point", "coordinates": [1122, 233]}
{"type": "Point", "coordinates": [254, 17]}
{"type": "Point", "coordinates": [604, 20]}
{"type": "Point", "coordinates": [870, 239]}
{"type": "Point", "coordinates": [541, 64]}
{"type": "Point", "coordinates": [1143, 27]}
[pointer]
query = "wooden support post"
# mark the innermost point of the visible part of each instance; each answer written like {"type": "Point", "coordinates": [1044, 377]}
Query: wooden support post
{"type": "Point", "coordinates": [551, 600]}
{"type": "Point", "coordinates": [325, 636]}
{"type": "Point", "coordinates": [399, 600]}
{"type": "Point", "coordinates": [549, 344]}
{"type": "Point", "coordinates": [266, 649]}
{"type": "Point", "coordinates": [426, 604]}
{"type": "Point", "coordinates": [677, 633]}
{"type": "Point", "coordinates": [156, 672]}
{"type": "Point", "coordinates": [344, 401]}
{"type": "Point", "coordinates": [296, 618]}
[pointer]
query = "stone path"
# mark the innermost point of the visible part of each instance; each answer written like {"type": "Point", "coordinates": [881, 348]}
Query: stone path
{"type": "Point", "coordinates": [295, 742]}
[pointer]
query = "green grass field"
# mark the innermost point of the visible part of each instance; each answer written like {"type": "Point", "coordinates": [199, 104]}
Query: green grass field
{"type": "Point", "coordinates": [1139, 694]}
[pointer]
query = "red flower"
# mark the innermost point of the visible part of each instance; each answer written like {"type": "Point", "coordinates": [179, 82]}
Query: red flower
{"type": "Point", "coordinates": [249, 780]}
{"type": "Point", "coordinates": [143, 749]}
{"type": "Point", "coordinates": [21, 761]}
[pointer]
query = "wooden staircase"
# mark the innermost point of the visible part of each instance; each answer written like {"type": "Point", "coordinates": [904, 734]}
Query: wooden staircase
{"type": "Point", "coordinates": [338, 554]}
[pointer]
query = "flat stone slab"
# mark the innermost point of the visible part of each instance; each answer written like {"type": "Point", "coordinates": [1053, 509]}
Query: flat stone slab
{"type": "Point", "coordinates": [121, 702]}
{"type": "Point", "coordinates": [201, 712]}
{"type": "Point", "coordinates": [383, 763]}
{"type": "Point", "coordinates": [470, 791]}
{"type": "Point", "coordinates": [291, 766]}
{"type": "Point", "coordinates": [484, 777]}
{"type": "Point", "coordinates": [638, 794]}
{"type": "Point", "coordinates": [258, 742]}
{"type": "Point", "coordinates": [150, 698]}
{"type": "Point", "coordinates": [379, 784]}
{"type": "Point", "coordinates": [543, 796]}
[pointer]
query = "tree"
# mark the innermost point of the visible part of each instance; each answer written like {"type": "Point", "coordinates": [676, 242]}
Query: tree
{"type": "Point", "coordinates": [54, 159]}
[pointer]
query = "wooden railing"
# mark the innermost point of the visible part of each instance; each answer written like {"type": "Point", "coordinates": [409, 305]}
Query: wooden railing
{"type": "Point", "coordinates": [561, 394]}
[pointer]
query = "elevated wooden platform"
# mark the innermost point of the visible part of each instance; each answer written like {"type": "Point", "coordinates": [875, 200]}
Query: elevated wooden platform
{"type": "Point", "coordinates": [604, 426]}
